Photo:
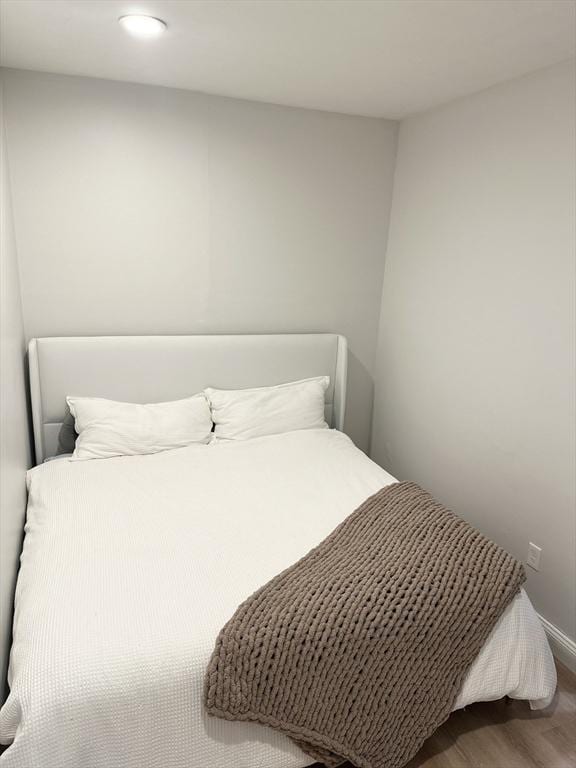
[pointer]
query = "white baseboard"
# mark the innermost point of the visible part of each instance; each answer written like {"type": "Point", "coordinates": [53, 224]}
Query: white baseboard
{"type": "Point", "coordinates": [563, 647]}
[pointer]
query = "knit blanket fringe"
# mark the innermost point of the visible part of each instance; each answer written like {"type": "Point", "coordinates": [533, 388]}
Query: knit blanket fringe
{"type": "Point", "coordinates": [358, 651]}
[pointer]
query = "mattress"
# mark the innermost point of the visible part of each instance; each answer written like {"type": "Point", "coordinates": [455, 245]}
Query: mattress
{"type": "Point", "coordinates": [131, 566]}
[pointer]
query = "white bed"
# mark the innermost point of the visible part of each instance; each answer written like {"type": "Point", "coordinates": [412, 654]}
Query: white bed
{"type": "Point", "coordinates": [132, 565]}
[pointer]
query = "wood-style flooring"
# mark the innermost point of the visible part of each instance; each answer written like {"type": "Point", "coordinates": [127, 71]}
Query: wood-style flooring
{"type": "Point", "coordinates": [507, 734]}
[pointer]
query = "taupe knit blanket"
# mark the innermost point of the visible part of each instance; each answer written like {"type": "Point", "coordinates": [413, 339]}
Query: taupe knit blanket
{"type": "Point", "coordinates": [358, 651]}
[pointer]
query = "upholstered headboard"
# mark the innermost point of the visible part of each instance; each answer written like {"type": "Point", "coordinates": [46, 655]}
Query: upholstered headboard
{"type": "Point", "coordinates": [147, 369]}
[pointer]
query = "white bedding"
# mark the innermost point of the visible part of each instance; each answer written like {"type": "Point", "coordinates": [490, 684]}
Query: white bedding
{"type": "Point", "coordinates": [132, 565]}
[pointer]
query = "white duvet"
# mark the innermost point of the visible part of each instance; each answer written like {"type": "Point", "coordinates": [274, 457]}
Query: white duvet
{"type": "Point", "coordinates": [132, 565]}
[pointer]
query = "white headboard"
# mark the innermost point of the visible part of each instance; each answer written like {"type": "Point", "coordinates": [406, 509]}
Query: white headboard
{"type": "Point", "coordinates": [148, 369]}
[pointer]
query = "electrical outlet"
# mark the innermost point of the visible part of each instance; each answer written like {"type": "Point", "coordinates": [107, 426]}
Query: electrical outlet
{"type": "Point", "coordinates": [533, 557]}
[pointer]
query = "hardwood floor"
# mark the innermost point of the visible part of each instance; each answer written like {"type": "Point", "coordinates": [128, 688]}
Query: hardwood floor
{"type": "Point", "coordinates": [507, 734]}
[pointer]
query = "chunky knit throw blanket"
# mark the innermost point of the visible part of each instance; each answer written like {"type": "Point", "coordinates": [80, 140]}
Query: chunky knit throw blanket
{"type": "Point", "coordinates": [358, 651]}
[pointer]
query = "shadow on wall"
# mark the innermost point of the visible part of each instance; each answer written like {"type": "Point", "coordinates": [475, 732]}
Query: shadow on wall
{"type": "Point", "coordinates": [17, 531]}
{"type": "Point", "coordinates": [359, 401]}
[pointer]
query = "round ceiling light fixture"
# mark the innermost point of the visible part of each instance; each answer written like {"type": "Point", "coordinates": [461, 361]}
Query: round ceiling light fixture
{"type": "Point", "coordinates": [142, 26]}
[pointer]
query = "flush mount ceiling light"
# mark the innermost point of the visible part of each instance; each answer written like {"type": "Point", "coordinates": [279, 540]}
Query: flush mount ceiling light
{"type": "Point", "coordinates": [142, 26]}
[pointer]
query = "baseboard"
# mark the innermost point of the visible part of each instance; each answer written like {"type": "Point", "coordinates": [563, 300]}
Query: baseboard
{"type": "Point", "coordinates": [563, 647]}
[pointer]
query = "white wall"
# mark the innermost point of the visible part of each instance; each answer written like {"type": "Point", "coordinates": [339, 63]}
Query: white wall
{"type": "Point", "coordinates": [475, 364]}
{"type": "Point", "coordinates": [14, 445]}
{"type": "Point", "coordinates": [148, 210]}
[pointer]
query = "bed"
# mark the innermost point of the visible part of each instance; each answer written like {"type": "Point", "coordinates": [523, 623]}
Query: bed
{"type": "Point", "coordinates": [131, 565]}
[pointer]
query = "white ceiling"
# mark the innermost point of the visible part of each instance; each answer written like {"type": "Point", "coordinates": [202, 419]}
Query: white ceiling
{"type": "Point", "coordinates": [387, 58]}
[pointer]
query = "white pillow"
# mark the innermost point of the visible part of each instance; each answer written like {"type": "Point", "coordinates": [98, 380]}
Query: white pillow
{"type": "Point", "coordinates": [107, 428]}
{"type": "Point", "coordinates": [240, 414]}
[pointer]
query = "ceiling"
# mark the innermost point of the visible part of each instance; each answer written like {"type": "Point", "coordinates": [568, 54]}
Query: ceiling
{"type": "Point", "coordinates": [385, 58]}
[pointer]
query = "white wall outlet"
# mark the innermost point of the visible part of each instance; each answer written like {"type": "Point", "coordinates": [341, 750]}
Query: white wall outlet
{"type": "Point", "coordinates": [533, 557]}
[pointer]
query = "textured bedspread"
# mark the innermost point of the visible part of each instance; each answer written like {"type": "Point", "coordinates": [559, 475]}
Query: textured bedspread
{"type": "Point", "coordinates": [359, 650]}
{"type": "Point", "coordinates": [130, 568]}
